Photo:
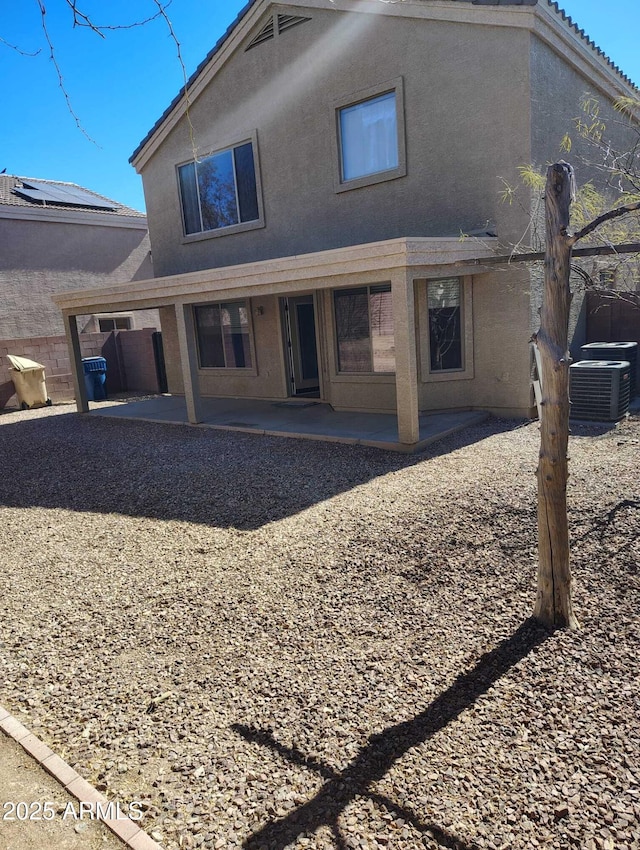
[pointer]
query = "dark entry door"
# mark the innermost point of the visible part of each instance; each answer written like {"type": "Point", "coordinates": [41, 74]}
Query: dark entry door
{"type": "Point", "coordinates": [300, 341]}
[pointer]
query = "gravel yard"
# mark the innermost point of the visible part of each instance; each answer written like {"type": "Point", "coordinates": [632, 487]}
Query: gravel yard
{"type": "Point", "coordinates": [279, 643]}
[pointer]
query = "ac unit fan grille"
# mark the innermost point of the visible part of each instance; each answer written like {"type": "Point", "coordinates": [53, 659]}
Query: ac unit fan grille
{"type": "Point", "coordinates": [627, 351]}
{"type": "Point", "coordinates": [599, 390]}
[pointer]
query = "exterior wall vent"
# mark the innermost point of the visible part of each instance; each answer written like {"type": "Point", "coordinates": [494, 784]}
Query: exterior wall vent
{"type": "Point", "coordinates": [285, 22]}
{"type": "Point", "coordinates": [282, 22]}
{"type": "Point", "coordinates": [615, 351]}
{"type": "Point", "coordinates": [599, 390]}
{"type": "Point", "coordinates": [265, 34]}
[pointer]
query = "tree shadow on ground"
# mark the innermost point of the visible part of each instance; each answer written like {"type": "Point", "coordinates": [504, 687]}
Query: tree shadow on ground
{"type": "Point", "coordinates": [587, 428]}
{"type": "Point", "coordinates": [176, 472]}
{"type": "Point", "coordinates": [378, 756]}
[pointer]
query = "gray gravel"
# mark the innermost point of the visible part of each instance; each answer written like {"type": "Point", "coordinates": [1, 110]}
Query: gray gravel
{"type": "Point", "coordinates": [280, 644]}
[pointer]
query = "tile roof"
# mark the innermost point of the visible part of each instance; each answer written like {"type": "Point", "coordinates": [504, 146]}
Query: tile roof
{"type": "Point", "coordinates": [218, 45]}
{"type": "Point", "coordinates": [591, 43]}
{"type": "Point", "coordinates": [9, 198]}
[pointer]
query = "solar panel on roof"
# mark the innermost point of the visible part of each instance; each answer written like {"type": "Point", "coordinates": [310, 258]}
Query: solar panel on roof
{"type": "Point", "coordinates": [30, 194]}
{"type": "Point", "coordinates": [38, 194]}
{"type": "Point", "coordinates": [61, 193]}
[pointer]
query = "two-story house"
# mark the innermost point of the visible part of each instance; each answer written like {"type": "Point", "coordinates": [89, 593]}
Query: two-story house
{"type": "Point", "coordinates": [307, 201]}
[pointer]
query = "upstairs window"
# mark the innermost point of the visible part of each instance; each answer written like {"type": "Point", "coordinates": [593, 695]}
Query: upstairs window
{"type": "Point", "coordinates": [220, 190]}
{"type": "Point", "coordinates": [369, 137]}
{"type": "Point", "coordinates": [222, 331]}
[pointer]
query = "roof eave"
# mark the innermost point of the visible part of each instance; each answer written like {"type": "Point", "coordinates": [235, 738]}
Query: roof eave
{"type": "Point", "coordinates": [612, 79]}
{"type": "Point", "coordinates": [53, 215]}
{"type": "Point", "coordinates": [193, 85]}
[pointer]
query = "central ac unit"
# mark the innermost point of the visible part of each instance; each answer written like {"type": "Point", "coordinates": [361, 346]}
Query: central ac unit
{"type": "Point", "coordinates": [615, 351]}
{"type": "Point", "coordinates": [599, 389]}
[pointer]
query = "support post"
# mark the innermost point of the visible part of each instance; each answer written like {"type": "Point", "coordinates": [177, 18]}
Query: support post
{"type": "Point", "coordinates": [77, 369]}
{"type": "Point", "coordinates": [189, 361]}
{"type": "Point", "coordinates": [404, 334]}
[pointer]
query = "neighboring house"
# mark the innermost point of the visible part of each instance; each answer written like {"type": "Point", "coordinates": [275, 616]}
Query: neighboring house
{"type": "Point", "coordinates": [56, 237]}
{"type": "Point", "coordinates": [311, 243]}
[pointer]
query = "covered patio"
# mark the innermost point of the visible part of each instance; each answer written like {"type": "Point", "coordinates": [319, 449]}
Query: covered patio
{"type": "Point", "coordinates": [303, 420]}
{"type": "Point", "coordinates": [371, 409]}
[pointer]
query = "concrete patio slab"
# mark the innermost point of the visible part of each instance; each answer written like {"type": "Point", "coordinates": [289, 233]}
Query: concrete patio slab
{"type": "Point", "coordinates": [303, 420]}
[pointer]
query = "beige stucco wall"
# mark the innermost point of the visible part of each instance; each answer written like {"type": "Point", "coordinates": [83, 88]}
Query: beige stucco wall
{"type": "Point", "coordinates": [266, 377]}
{"type": "Point", "coordinates": [477, 106]}
{"type": "Point", "coordinates": [467, 125]}
{"type": "Point", "coordinates": [502, 350]}
{"type": "Point", "coordinates": [39, 259]}
{"type": "Point", "coordinates": [557, 91]}
{"type": "Point", "coordinates": [497, 350]}
{"type": "Point", "coordinates": [497, 355]}
{"type": "Point", "coordinates": [171, 347]}
{"type": "Point", "coordinates": [348, 391]}
{"type": "Point", "coordinates": [464, 90]}
{"type": "Point", "coordinates": [139, 319]}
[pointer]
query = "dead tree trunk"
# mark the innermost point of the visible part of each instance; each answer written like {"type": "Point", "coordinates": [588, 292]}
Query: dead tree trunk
{"type": "Point", "coordinates": [553, 602]}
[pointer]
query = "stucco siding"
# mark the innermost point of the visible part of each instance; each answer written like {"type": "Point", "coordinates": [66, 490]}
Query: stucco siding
{"type": "Point", "coordinates": [497, 350]}
{"type": "Point", "coordinates": [171, 348]}
{"type": "Point", "coordinates": [39, 259]}
{"type": "Point", "coordinates": [502, 334]}
{"type": "Point", "coordinates": [557, 92]}
{"type": "Point", "coordinates": [464, 87]}
{"type": "Point", "coordinates": [265, 379]}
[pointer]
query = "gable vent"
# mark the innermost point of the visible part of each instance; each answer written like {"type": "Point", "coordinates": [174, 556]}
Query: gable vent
{"type": "Point", "coordinates": [285, 22]}
{"type": "Point", "coordinates": [265, 34]}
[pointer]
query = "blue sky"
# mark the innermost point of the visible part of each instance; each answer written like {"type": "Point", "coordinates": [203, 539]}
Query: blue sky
{"type": "Point", "coordinates": [120, 85]}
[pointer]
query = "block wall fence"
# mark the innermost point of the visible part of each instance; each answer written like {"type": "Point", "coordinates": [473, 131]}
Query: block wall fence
{"type": "Point", "coordinates": [129, 354]}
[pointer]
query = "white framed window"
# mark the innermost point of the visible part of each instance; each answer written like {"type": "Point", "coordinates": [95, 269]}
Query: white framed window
{"type": "Point", "coordinates": [370, 134]}
{"type": "Point", "coordinates": [364, 329]}
{"type": "Point", "coordinates": [223, 335]}
{"type": "Point", "coordinates": [220, 192]}
{"type": "Point", "coordinates": [115, 323]}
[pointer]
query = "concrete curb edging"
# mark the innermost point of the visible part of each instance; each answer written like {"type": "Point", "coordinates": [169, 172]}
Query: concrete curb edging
{"type": "Point", "coordinates": [126, 829]}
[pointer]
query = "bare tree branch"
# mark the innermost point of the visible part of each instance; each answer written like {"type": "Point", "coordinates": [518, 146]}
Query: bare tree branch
{"type": "Point", "coordinates": [52, 56]}
{"type": "Point", "coordinates": [81, 19]}
{"type": "Point", "coordinates": [187, 102]}
{"type": "Point", "coordinates": [601, 219]}
{"type": "Point", "coordinates": [18, 49]}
